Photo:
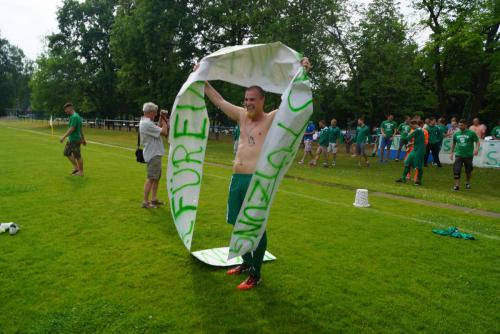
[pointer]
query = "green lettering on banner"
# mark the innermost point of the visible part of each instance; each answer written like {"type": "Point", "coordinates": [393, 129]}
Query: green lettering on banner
{"type": "Point", "coordinates": [192, 184]}
{"type": "Point", "coordinates": [447, 145]}
{"type": "Point", "coordinates": [187, 157]}
{"type": "Point", "coordinates": [186, 133]}
{"type": "Point", "coordinates": [188, 233]}
{"type": "Point", "coordinates": [181, 209]}
{"type": "Point", "coordinates": [492, 161]}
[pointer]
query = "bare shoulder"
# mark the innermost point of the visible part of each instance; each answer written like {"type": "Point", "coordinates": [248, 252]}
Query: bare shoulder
{"type": "Point", "coordinates": [270, 115]}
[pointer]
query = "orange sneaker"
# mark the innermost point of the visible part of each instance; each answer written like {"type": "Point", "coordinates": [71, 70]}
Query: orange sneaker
{"type": "Point", "coordinates": [249, 283]}
{"type": "Point", "coordinates": [237, 270]}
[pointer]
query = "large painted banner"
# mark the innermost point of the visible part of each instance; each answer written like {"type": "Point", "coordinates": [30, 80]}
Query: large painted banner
{"type": "Point", "coordinates": [276, 68]}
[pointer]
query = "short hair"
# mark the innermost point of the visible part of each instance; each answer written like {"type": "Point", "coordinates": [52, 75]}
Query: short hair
{"type": "Point", "coordinates": [413, 122]}
{"type": "Point", "coordinates": [362, 118]}
{"type": "Point", "coordinates": [258, 89]}
{"type": "Point", "coordinates": [420, 123]}
{"type": "Point", "coordinates": [333, 119]}
{"type": "Point", "coordinates": [322, 121]}
{"type": "Point", "coordinates": [432, 119]}
{"type": "Point", "coordinates": [149, 107]}
{"type": "Point", "coordinates": [67, 104]}
{"type": "Point", "coordinates": [463, 121]}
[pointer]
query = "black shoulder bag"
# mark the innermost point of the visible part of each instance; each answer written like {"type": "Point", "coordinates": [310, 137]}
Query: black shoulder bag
{"type": "Point", "coordinates": [139, 156]}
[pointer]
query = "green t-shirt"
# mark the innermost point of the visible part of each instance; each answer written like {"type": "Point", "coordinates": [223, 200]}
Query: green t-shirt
{"type": "Point", "coordinates": [464, 141]}
{"type": "Point", "coordinates": [389, 127]}
{"type": "Point", "coordinates": [333, 134]}
{"type": "Point", "coordinates": [323, 136]}
{"type": "Point", "coordinates": [435, 135]}
{"type": "Point", "coordinates": [496, 132]}
{"type": "Point", "coordinates": [75, 121]}
{"type": "Point", "coordinates": [418, 137]}
{"type": "Point", "coordinates": [362, 134]}
{"type": "Point", "coordinates": [444, 130]}
{"type": "Point", "coordinates": [404, 130]}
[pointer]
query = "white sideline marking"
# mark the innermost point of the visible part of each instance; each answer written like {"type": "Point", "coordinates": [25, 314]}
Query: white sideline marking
{"type": "Point", "coordinates": [317, 199]}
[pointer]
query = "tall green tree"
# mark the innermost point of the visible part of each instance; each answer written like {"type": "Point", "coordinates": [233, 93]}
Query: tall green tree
{"type": "Point", "coordinates": [81, 49]}
{"type": "Point", "coordinates": [388, 75]}
{"type": "Point", "coordinates": [15, 71]}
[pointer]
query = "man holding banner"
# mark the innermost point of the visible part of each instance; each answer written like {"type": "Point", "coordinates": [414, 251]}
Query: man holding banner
{"type": "Point", "coordinates": [254, 125]}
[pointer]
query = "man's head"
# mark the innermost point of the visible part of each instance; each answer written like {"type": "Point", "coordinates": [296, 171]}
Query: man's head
{"type": "Point", "coordinates": [453, 122]}
{"type": "Point", "coordinates": [413, 124]}
{"type": "Point", "coordinates": [68, 108]}
{"type": "Point", "coordinates": [432, 121]}
{"type": "Point", "coordinates": [427, 120]}
{"type": "Point", "coordinates": [441, 120]}
{"type": "Point", "coordinates": [150, 110]}
{"type": "Point", "coordinates": [407, 119]}
{"type": "Point", "coordinates": [333, 122]}
{"type": "Point", "coordinates": [462, 124]}
{"type": "Point", "coordinates": [361, 121]}
{"type": "Point", "coordinates": [322, 124]}
{"type": "Point", "coordinates": [417, 118]}
{"type": "Point", "coordinates": [254, 101]}
{"type": "Point", "coordinates": [390, 117]}
{"type": "Point", "coordinates": [420, 123]}
{"type": "Point", "coordinates": [475, 121]}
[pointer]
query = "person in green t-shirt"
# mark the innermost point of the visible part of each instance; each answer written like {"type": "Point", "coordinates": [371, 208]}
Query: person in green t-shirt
{"type": "Point", "coordinates": [463, 148]}
{"type": "Point", "coordinates": [75, 138]}
{"type": "Point", "coordinates": [388, 129]}
{"type": "Point", "coordinates": [361, 137]}
{"type": "Point", "coordinates": [403, 130]}
{"type": "Point", "coordinates": [333, 139]}
{"type": "Point", "coordinates": [416, 156]}
{"type": "Point", "coordinates": [442, 127]}
{"type": "Point", "coordinates": [495, 133]}
{"type": "Point", "coordinates": [323, 144]}
{"type": "Point", "coordinates": [434, 146]}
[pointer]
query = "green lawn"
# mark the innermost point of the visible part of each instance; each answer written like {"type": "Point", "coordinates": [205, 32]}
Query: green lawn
{"type": "Point", "coordinates": [89, 259]}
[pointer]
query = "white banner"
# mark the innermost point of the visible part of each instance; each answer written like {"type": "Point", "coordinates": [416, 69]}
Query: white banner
{"type": "Point", "coordinates": [219, 257]}
{"type": "Point", "coordinates": [276, 68]}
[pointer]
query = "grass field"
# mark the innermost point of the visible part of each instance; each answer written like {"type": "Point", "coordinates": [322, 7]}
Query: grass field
{"type": "Point", "coordinates": [89, 259]}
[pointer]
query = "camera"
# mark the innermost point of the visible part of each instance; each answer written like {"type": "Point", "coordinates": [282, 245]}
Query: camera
{"type": "Point", "coordinates": [161, 113]}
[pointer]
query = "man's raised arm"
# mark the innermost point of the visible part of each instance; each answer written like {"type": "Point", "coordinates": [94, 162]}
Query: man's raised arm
{"type": "Point", "coordinates": [232, 111]}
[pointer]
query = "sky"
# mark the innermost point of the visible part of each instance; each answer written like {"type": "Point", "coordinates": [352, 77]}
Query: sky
{"type": "Point", "coordinates": [24, 23]}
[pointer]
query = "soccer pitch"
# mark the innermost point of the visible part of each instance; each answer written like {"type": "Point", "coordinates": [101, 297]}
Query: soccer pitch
{"type": "Point", "coordinates": [89, 259]}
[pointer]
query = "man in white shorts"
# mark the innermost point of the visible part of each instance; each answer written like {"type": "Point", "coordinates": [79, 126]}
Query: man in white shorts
{"type": "Point", "coordinates": [308, 140]}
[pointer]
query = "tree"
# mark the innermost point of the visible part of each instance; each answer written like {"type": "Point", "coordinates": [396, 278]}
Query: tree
{"type": "Point", "coordinates": [389, 79]}
{"type": "Point", "coordinates": [15, 71]}
{"type": "Point", "coordinates": [79, 55]}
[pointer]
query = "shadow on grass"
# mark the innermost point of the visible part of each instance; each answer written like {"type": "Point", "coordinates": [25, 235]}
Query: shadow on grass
{"type": "Point", "coordinates": [265, 309]}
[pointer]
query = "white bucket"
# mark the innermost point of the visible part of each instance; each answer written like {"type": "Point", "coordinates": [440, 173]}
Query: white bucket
{"type": "Point", "coordinates": [361, 200]}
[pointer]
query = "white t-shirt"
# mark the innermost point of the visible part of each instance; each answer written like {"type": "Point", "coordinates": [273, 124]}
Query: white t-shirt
{"type": "Point", "coordinates": [150, 139]}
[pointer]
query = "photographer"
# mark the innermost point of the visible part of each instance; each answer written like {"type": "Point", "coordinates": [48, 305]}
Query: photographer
{"type": "Point", "coordinates": [152, 142]}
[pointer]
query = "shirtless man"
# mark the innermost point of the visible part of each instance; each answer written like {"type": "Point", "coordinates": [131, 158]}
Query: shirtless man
{"type": "Point", "coordinates": [254, 125]}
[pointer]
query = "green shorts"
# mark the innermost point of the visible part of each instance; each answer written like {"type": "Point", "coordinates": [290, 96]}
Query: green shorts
{"type": "Point", "coordinates": [72, 148]}
{"type": "Point", "coordinates": [237, 191]}
{"type": "Point", "coordinates": [414, 160]}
